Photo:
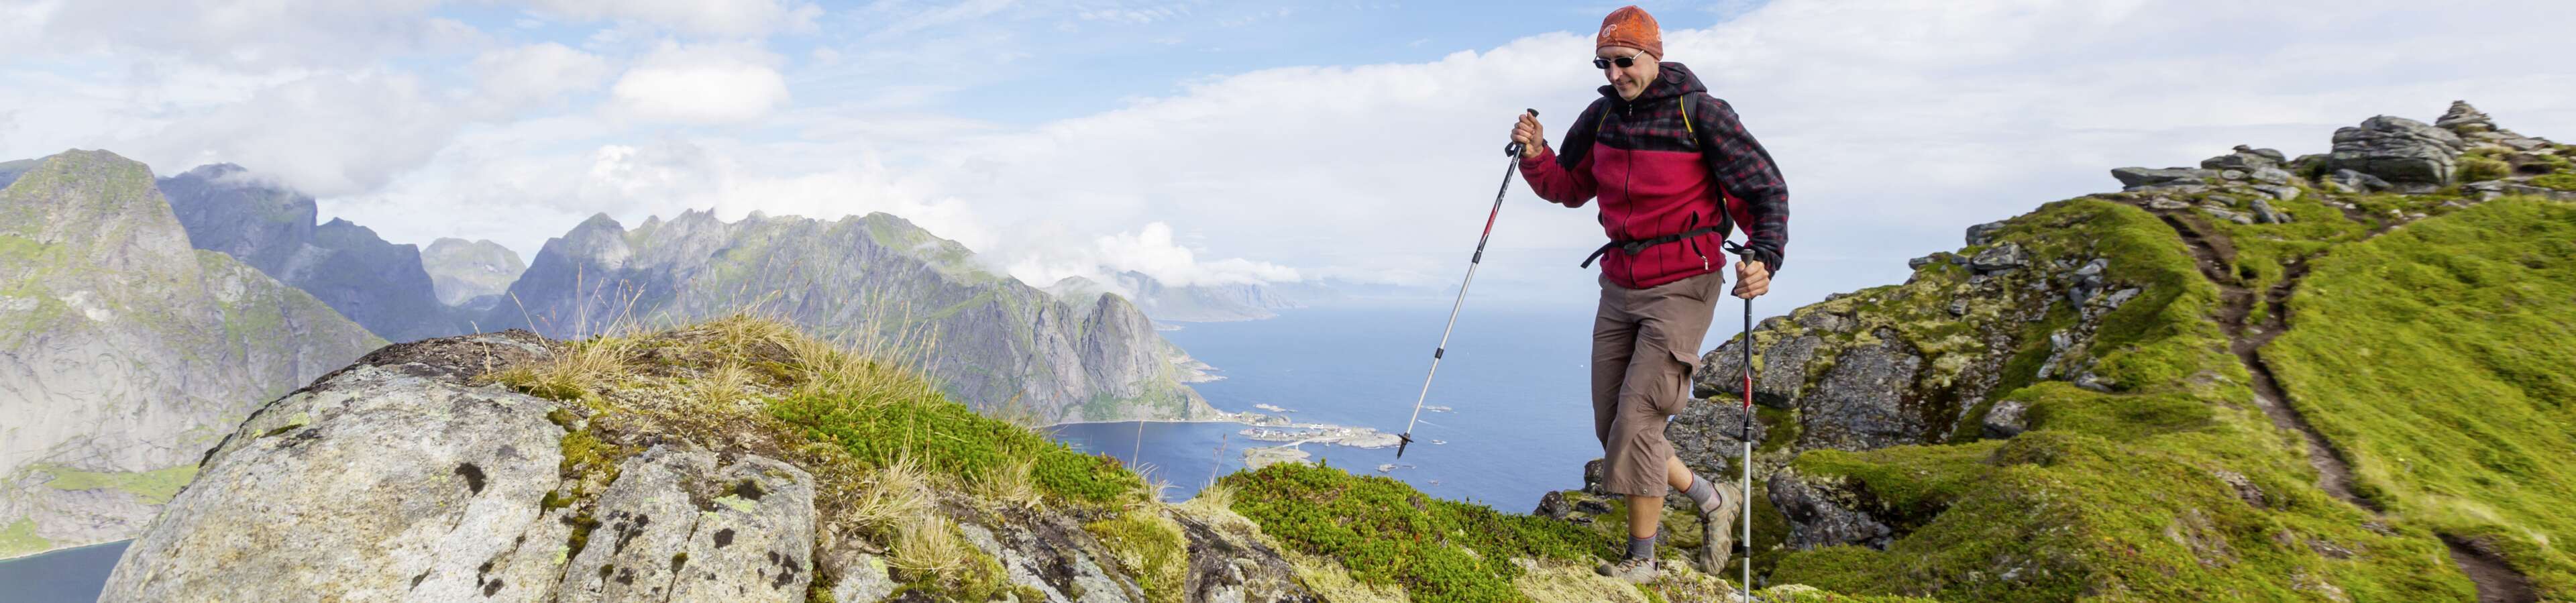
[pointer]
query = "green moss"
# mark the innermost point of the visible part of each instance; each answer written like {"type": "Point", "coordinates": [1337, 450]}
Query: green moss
{"type": "Point", "coordinates": [950, 439]}
{"type": "Point", "coordinates": [1385, 532]}
{"type": "Point", "coordinates": [2055, 516]}
{"type": "Point", "coordinates": [19, 538]}
{"type": "Point", "coordinates": [151, 487]}
{"type": "Point", "coordinates": [2436, 357]}
{"type": "Point", "coordinates": [2562, 180]}
{"type": "Point", "coordinates": [2476, 168]}
{"type": "Point", "coordinates": [1149, 547]}
{"type": "Point", "coordinates": [1910, 484]}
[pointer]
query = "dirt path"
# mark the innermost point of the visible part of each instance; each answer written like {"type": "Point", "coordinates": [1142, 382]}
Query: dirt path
{"type": "Point", "coordinates": [2496, 581]}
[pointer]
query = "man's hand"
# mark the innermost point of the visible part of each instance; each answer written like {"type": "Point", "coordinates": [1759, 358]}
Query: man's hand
{"type": "Point", "coordinates": [1529, 134]}
{"type": "Point", "coordinates": [1752, 279]}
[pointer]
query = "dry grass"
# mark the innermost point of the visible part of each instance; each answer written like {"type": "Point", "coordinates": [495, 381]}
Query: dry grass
{"type": "Point", "coordinates": [1011, 484]}
{"type": "Point", "coordinates": [930, 546]}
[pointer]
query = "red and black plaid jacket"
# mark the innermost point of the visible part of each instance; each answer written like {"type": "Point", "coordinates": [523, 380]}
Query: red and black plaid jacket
{"type": "Point", "coordinates": [1657, 176]}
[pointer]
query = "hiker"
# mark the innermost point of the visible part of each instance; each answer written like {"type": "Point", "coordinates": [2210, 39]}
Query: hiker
{"type": "Point", "coordinates": [1665, 158]}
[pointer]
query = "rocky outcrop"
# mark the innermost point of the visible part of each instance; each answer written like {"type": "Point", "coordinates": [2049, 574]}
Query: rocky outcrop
{"type": "Point", "coordinates": [1000, 345]}
{"type": "Point", "coordinates": [404, 477]}
{"type": "Point", "coordinates": [2407, 153]}
{"type": "Point", "coordinates": [123, 353]}
{"type": "Point", "coordinates": [464, 270]}
{"type": "Point", "coordinates": [378, 284]}
{"type": "Point", "coordinates": [1825, 511]}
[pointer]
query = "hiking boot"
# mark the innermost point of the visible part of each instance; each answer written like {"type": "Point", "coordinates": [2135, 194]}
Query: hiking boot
{"type": "Point", "coordinates": [1640, 571]}
{"type": "Point", "coordinates": [1716, 520]}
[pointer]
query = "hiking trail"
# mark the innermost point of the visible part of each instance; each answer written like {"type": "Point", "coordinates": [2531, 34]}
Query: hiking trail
{"type": "Point", "coordinates": [2214, 252]}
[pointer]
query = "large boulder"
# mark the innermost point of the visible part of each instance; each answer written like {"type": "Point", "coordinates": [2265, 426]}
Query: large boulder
{"type": "Point", "coordinates": [387, 480]}
{"type": "Point", "coordinates": [2408, 153]}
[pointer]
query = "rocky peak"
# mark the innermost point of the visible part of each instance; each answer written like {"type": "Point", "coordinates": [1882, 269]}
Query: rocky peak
{"type": "Point", "coordinates": [228, 212]}
{"type": "Point", "coordinates": [2409, 154]}
{"type": "Point", "coordinates": [98, 202]}
{"type": "Point", "coordinates": [463, 270]}
{"type": "Point", "coordinates": [2465, 120]}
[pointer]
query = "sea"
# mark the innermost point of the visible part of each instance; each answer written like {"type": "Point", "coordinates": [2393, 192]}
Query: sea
{"type": "Point", "coordinates": [59, 576]}
{"type": "Point", "coordinates": [1514, 379]}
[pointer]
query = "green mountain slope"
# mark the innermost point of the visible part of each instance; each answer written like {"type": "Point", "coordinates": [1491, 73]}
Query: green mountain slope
{"type": "Point", "coordinates": [124, 353]}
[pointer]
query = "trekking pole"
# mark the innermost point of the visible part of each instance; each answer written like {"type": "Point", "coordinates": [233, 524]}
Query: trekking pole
{"type": "Point", "coordinates": [1514, 150]}
{"type": "Point", "coordinates": [1744, 434]}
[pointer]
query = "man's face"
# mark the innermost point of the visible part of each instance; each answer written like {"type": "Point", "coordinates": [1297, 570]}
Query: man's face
{"type": "Point", "coordinates": [1629, 81]}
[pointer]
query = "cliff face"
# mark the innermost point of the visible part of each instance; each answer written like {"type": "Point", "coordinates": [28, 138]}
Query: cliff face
{"type": "Point", "coordinates": [123, 353]}
{"type": "Point", "coordinates": [997, 344]}
{"type": "Point", "coordinates": [380, 285]}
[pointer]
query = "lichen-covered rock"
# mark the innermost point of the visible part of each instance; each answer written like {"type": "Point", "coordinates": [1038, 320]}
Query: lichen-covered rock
{"type": "Point", "coordinates": [2005, 419]}
{"type": "Point", "coordinates": [2405, 152]}
{"type": "Point", "coordinates": [1865, 401]}
{"type": "Point", "coordinates": [682, 525]}
{"type": "Point", "coordinates": [1705, 435]}
{"type": "Point", "coordinates": [2134, 178]}
{"type": "Point", "coordinates": [390, 481]}
{"type": "Point", "coordinates": [1825, 511]}
{"type": "Point", "coordinates": [2004, 256]}
{"type": "Point", "coordinates": [1781, 374]}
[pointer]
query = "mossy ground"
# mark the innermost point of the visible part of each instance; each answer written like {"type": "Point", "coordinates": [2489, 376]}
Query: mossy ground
{"type": "Point", "coordinates": [2438, 358]}
{"type": "Point", "coordinates": [2126, 494]}
{"type": "Point", "coordinates": [19, 538]}
{"type": "Point", "coordinates": [151, 487]}
{"type": "Point", "coordinates": [1385, 532]}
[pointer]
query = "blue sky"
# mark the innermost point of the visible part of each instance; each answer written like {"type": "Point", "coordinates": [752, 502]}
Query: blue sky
{"type": "Point", "coordinates": [1222, 142]}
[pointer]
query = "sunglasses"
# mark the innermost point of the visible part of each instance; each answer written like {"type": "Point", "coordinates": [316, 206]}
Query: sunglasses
{"type": "Point", "coordinates": [1623, 62]}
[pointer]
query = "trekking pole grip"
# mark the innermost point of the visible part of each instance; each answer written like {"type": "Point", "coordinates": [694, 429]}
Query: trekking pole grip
{"type": "Point", "coordinates": [1514, 149]}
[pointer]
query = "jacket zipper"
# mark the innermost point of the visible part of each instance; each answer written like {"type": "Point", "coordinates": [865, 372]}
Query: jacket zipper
{"type": "Point", "coordinates": [1627, 193]}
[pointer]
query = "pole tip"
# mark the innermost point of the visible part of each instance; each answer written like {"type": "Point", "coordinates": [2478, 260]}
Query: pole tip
{"type": "Point", "coordinates": [1402, 440]}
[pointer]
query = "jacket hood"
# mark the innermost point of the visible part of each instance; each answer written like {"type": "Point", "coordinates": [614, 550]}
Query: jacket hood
{"type": "Point", "coordinates": [1672, 80]}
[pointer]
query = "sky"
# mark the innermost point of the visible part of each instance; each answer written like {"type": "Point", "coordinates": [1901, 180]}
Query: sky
{"type": "Point", "coordinates": [1208, 143]}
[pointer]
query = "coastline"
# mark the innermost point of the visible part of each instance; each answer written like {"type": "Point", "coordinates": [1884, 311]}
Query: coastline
{"type": "Point", "coordinates": [67, 549]}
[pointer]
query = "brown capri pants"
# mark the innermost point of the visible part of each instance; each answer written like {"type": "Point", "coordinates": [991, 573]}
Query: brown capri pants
{"type": "Point", "coordinates": [1644, 344]}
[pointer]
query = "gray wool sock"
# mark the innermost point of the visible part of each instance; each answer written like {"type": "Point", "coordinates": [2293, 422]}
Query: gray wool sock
{"type": "Point", "coordinates": [1700, 491]}
{"type": "Point", "coordinates": [1641, 548]}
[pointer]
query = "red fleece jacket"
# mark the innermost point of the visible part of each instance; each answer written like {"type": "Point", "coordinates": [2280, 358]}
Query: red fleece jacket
{"type": "Point", "coordinates": [1657, 176]}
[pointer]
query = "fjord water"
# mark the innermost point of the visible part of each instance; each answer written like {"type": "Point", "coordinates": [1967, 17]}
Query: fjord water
{"type": "Point", "coordinates": [58, 576]}
{"type": "Point", "coordinates": [1517, 378]}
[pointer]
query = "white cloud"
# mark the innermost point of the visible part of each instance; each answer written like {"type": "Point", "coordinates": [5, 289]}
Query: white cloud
{"type": "Point", "coordinates": [731, 18]}
{"type": "Point", "coordinates": [261, 35]}
{"type": "Point", "coordinates": [702, 84]}
{"type": "Point", "coordinates": [536, 73]}
{"type": "Point", "coordinates": [1150, 251]}
{"type": "Point", "coordinates": [325, 134]}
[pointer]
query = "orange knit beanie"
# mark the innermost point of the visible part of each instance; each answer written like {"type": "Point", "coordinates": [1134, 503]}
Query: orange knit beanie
{"type": "Point", "coordinates": [1633, 28]}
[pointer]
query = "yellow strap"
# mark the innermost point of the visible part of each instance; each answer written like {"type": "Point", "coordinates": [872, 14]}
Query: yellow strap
{"type": "Point", "coordinates": [1686, 124]}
